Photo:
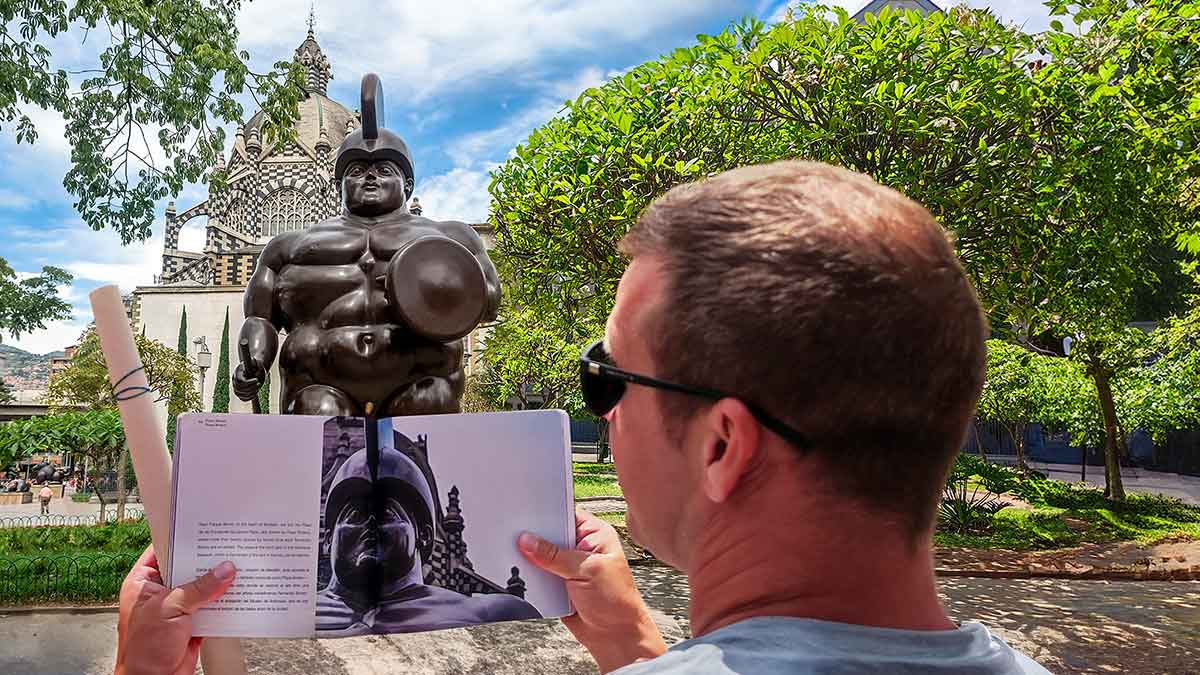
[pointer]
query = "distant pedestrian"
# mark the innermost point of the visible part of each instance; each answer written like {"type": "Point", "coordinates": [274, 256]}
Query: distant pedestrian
{"type": "Point", "coordinates": [44, 495]}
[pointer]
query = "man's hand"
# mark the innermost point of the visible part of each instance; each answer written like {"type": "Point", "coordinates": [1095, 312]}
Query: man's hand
{"type": "Point", "coordinates": [611, 620]}
{"type": "Point", "coordinates": [245, 387]}
{"type": "Point", "coordinates": [154, 628]}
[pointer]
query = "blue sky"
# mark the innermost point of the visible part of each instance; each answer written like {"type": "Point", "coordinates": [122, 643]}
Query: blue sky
{"type": "Point", "coordinates": [464, 84]}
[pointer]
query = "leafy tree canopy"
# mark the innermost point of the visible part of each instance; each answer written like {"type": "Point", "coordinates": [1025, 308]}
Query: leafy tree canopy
{"type": "Point", "coordinates": [27, 304]}
{"type": "Point", "coordinates": [85, 381]}
{"type": "Point", "coordinates": [143, 116]}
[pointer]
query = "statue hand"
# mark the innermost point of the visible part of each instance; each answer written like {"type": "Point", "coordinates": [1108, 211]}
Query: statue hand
{"type": "Point", "coordinates": [246, 388]}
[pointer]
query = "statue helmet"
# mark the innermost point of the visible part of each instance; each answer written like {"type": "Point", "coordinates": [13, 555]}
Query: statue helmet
{"type": "Point", "coordinates": [396, 476]}
{"type": "Point", "coordinates": [371, 141]}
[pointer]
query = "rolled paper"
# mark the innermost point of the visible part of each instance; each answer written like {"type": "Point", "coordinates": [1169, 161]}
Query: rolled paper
{"type": "Point", "coordinates": [148, 450]}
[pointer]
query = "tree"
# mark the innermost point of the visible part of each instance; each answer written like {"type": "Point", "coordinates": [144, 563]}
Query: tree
{"type": "Point", "coordinates": [94, 435]}
{"type": "Point", "coordinates": [264, 394]}
{"type": "Point", "coordinates": [167, 77]}
{"type": "Point", "coordinates": [6, 393]}
{"type": "Point", "coordinates": [1010, 392]}
{"type": "Point", "coordinates": [173, 410]}
{"type": "Point", "coordinates": [27, 304]}
{"type": "Point", "coordinates": [1058, 162]}
{"type": "Point", "coordinates": [220, 402]}
{"type": "Point", "coordinates": [85, 383]}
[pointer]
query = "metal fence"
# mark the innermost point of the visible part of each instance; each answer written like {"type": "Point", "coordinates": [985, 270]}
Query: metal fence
{"type": "Point", "coordinates": [90, 577]}
{"type": "Point", "coordinates": [59, 520]}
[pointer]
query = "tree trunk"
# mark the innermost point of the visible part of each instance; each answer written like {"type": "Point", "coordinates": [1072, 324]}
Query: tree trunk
{"type": "Point", "coordinates": [1113, 488]}
{"type": "Point", "coordinates": [1018, 434]}
{"type": "Point", "coordinates": [99, 495]}
{"type": "Point", "coordinates": [978, 443]}
{"type": "Point", "coordinates": [121, 483]}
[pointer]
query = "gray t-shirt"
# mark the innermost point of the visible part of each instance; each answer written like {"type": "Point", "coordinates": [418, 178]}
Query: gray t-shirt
{"type": "Point", "coordinates": [776, 645]}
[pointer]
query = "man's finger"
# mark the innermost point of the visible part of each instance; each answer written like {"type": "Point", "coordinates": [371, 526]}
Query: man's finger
{"type": "Point", "coordinates": [192, 596]}
{"type": "Point", "coordinates": [147, 558]}
{"type": "Point", "coordinates": [562, 562]}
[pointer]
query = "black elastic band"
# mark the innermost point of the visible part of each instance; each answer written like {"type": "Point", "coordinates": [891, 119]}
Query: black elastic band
{"type": "Point", "coordinates": [132, 391]}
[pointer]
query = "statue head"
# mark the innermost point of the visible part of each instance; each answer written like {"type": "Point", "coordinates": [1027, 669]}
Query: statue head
{"type": "Point", "coordinates": [370, 145]}
{"type": "Point", "coordinates": [373, 187]}
{"type": "Point", "coordinates": [379, 538]}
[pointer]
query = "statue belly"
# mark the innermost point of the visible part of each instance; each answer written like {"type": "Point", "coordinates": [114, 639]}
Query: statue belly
{"type": "Point", "coordinates": [370, 363]}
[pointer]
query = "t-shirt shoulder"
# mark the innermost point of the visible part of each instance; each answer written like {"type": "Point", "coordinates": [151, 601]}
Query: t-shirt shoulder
{"type": "Point", "coordinates": [777, 645]}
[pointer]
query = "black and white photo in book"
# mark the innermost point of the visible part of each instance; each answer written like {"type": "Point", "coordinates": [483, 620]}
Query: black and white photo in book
{"type": "Point", "coordinates": [397, 537]}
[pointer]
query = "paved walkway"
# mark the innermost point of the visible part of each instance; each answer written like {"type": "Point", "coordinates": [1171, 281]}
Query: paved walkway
{"type": "Point", "coordinates": [1175, 485]}
{"type": "Point", "coordinates": [1069, 626]}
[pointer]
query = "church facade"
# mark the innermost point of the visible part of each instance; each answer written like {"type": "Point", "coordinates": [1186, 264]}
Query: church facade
{"type": "Point", "coordinates": [268, 188]}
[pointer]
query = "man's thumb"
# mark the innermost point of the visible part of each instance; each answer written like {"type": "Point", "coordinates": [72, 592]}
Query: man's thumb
{"type": "Point", "coordinates": [562, 562]}
{"type": "Point", "coordinates": [192, 596]}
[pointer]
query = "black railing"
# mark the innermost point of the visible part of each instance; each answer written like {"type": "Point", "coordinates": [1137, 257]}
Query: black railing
{"type": "Point", "coordinates": [59, 520]}
{"type": "Point", "coordinates": [81, 578]}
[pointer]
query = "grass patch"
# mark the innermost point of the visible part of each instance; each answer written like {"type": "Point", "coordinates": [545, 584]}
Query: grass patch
{"type": "Point", "coordinates": [596, 486]}
{"type": "Point", "coordinates": [593, 468]}
{"type": "Point", "coordinates": [1064, 514]}
{"type": "Point", "coordinates": [616, 518]}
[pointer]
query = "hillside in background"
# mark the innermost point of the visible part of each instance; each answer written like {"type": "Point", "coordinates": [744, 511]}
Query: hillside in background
{"type": "Point", "coordinates": [22, 370]}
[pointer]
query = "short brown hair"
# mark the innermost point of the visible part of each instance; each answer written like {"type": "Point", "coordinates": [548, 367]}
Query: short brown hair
{"type": "Point", "coordinates": [834, 303]}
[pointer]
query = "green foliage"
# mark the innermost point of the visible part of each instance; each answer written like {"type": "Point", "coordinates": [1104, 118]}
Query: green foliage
{"type": "Point", "coordinates": [95, 435]}
{"type": "Point", "coordinates": [74, 578]}
{"type": "Point", "coordinates": [264, 394]}
{"type": "Point", "coordinates": [111, 537]}
{"type": "Point", "coordinates": [6, 393]}
{"type": "Point", "coordinates": [173, 410]}
{"type": "Point", "coordinates": [85, 381]}
{"type": "Point", "coordinates": [594, 485]}
{"type": "Point", "coordinates": [1092, 516]}
{"type": "Point", "coordinates": [27, 304]}
{"type": "Point", "coordinates": [1058, 176]}
{"type": "Point", "coordinates": [168, 75]}
{"type": "Point", "coordinates": [220, 402]}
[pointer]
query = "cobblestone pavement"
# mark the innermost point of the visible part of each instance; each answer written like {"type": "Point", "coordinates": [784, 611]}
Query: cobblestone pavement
{"type": "Point", "coordinates": [1069, 626]}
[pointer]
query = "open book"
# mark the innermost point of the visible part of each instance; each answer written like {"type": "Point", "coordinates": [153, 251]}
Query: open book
{"type": "Point", "coordinates": [344, 526]}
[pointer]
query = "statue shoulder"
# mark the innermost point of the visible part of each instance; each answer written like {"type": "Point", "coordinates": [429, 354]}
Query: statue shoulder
{"type": "Point", "coordinates": [278, 250]}
{"type": "Point", "coordinates": [461, 232]}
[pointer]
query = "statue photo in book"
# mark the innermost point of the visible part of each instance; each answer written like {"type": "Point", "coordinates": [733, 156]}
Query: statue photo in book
{"type": "Point", "coordinates": [397, 563]}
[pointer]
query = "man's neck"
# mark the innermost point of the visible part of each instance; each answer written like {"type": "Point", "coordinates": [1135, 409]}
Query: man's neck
{"type": "Point", "coordinates": [783, 555]}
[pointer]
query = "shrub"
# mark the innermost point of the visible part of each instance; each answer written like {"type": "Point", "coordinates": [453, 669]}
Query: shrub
{"type": "Point", "coordinates": [964, 510]}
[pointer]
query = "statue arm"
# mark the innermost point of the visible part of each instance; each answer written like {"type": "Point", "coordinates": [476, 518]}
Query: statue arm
{"type": "Point", "coordinates": [260, 329]}
{"type": "Point", "coordinates": [466, 235]}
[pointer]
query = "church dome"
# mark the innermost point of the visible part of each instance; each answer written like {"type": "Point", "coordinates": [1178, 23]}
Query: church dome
{"type": "Point", "coordinates": [317, 110]}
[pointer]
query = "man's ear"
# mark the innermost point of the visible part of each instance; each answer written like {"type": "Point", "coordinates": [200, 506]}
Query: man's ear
{"type": "Point", "coordinates": [732, 448]}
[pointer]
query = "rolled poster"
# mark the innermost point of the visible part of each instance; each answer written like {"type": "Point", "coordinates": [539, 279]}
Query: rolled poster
{"type": "Point", "coordinates": [148, 448]}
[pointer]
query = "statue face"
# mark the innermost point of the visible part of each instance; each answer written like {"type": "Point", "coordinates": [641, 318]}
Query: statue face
{"type": "Point", "coordinates": [398, 537]}
{"type": "Point", "coordinates": [366, 547]}
{"type": "Point", "coordinates": [354, 545]}
{"type": "Point", "coordinates": [373, 188]}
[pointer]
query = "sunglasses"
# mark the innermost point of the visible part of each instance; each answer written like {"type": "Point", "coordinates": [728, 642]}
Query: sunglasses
{"type": "Point", "coordinates": [604, 384]}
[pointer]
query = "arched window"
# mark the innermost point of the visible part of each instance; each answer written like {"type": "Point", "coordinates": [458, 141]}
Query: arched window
{"type": "Point", "coordinates": [285, 209]}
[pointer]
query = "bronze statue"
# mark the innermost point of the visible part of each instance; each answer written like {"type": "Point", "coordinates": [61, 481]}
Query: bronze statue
{"type": "Point", "coordinates": [375, 300]}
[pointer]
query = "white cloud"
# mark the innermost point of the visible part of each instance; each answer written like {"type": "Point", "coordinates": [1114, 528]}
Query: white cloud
{"type": "Point", "coordinates": [460, 194]}
{"type": "Point", "coordinates": [14, 200]}
{"type": "Point", "coordinates": [426, 49]}
{"type": "Point", "coordinates": [52, 338]}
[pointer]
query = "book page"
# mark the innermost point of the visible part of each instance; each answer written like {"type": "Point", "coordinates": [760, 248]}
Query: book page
{"type": "Point", "coordinates": [248, 490]}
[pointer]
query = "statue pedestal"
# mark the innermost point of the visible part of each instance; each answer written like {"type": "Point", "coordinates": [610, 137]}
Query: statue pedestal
{"type": "Point", "coordinates": [15, 497]}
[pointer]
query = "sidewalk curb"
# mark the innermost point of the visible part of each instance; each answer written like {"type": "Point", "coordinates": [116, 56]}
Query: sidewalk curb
{"type": "Point", "coordinates": [85, 609]}
{"type": "Point", "coordinates": [601, 498]}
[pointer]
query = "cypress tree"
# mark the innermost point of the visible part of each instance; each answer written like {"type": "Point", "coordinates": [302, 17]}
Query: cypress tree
{"type": "Point", "coordinates": [172, 413]}
{"type": "Point", "coordinates": [264, 394]}
{"type": "Point", "coordinates": [220, 402]}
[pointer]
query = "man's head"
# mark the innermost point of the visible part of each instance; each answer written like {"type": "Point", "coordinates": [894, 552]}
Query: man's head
{"type": "Point", "coordinates": [373, 187]}
{"type": "Point", "coordinates": [834, 304]}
